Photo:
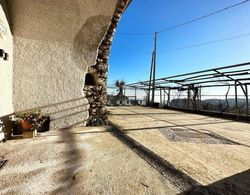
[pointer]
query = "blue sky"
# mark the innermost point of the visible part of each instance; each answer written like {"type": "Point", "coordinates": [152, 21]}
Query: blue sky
{"type": "Point", "coordinates": [131, 55]}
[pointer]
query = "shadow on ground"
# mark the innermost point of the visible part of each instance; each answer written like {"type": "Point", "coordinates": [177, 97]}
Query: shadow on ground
{"type": "Point", "coordinates": [186, 126]}
{"type": "Point", "coordinates": [73, 159]}
{"type": "Point", "coordinates": [237, 184]}
{"type": "Point", "coordinates": [177, 177]}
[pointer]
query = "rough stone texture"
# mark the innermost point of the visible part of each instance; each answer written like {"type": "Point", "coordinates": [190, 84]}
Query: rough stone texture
{"type": "Point", "coordinates": [6, 68]}
{"type": "Point", "coordinates": [54, 43]}
{"type": "Point", "coordinates": [97, 95]}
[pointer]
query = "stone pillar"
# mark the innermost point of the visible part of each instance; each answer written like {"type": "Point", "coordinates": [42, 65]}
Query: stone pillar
{"type": "Point", "coordinates": [97, 95]}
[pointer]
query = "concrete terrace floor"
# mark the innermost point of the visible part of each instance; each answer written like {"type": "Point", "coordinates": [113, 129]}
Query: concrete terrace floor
{"type": "Point", "coordinates": [77, 161]}
{"type": "Point", "coordinates": [211, 151]}
{"type": "Point", "coordinates": [201, 150]}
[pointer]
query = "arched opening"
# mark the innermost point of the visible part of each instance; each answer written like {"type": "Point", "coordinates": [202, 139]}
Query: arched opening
{"type": "Point", "coordinates": [90, 79]}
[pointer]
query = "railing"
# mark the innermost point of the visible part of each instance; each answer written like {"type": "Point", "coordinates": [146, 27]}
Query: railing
{"type": "Point", "coordinates": [225, 102]}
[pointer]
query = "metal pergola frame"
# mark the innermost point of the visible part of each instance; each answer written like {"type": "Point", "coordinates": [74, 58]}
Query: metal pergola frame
{"type": "Point", "coordinates": [226, 76]}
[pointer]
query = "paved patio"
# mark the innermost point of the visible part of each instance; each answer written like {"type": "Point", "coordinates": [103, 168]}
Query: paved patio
{"type": "Point", "coordinates": [77, 161]}
{"type": "Point", "coordinates": [154, 151]}
{"type": "Point", "coordinates": [214, 152]}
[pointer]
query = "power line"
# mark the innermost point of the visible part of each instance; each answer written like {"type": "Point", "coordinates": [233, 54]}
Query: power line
{"type": "Point", "coordinates": [202, 17]}
{"type": "Point", "coordinates": [189, 46]}
{"type": "Point", "coordinates": [187, 22]}
{"type": "Point", "coordinates": [135, 47]}
{"type": "Point", "coordinates": [206, 43]}
{"type": "Point", "coordinates": [137, 33]}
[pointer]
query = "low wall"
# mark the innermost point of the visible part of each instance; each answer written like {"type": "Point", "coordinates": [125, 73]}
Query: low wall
{"type": "Point", "coordinates": [243, 118]}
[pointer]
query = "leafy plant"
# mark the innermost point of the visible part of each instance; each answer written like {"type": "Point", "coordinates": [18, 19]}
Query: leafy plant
{"type": "Point", "coordinates": [33, 118]}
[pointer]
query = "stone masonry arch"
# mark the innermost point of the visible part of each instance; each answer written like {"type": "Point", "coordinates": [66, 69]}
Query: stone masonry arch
{"type": "Point", "coordinates": [97, 95]}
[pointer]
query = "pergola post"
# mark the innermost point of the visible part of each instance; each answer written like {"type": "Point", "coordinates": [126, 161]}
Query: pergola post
{"type": "Point", "coordinates": [236, 99]}
{"type": "Point", "coordinates": [247, 101]}
{"type": "Point", "coordinates": [124, 96]}
{"type": "Point", "coordinates": [164, 98]}
{"type": "Point", "coordinates": [168, 103]}
{"type": "Point", "coordinates": [160, 98]}
{"type": "Point", "coordinates": [135, 97]}
{"type": "Point", "coordinates": [200, 99]}
{"type": "Point", "coordinates": [188, 100]}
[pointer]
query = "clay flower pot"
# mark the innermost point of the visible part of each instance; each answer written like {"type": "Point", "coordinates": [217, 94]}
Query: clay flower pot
{"type": "Point", "coordinates": [26, 125]}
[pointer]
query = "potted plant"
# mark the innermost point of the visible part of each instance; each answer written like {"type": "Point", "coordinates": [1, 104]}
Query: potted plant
{"type": "Point", "coordinates": [43, 123]}
{"type": "Point", "coordinates": [32, 122]}
{"type": "Point", "coordinates": [28, 122]}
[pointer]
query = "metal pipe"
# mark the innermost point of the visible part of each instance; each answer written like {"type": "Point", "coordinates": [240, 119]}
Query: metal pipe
{"type": "Point", "coordinates": [124, 96]}
{"type": "Point", "coordinates": [212, 74]}
{"type": "Point", "coordinates": [164, 98]}
{"type": "Point", "coordinates": [236, 100]}
{"type": "Point", "coordinates": [202, 82]}
{"type": "Point", "coordinates": [247, 100]}
{"type": "Point", "coordinates": [169, 90]}
{"type": "Point", "coordinates": [215, 81]}
{"type": "Point", "coordinates": [198, 72]}
{"type": "Point", "coordinates": [203, 86]}
{"type": "Point", "coordinates": [135, 97]}
{"type": "Point", "coordinates": [188, 102]}
{"type": "Point", "coordinates": [219, 68]}
{"type": "Point", "coordinates": [160, 98]}
{"type": "Point", "coordinates": [200, 101]}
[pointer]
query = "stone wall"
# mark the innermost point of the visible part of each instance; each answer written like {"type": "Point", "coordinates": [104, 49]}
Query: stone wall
{"type": "Point", "coordinates": [97, 94]}
{"type": "Point", "coordinates": [54, 44]}
{"type": "Point", "coordinates": [6, 43]}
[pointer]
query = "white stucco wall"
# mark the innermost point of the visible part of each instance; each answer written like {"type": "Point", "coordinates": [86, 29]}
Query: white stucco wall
{"type": "Point", "coordinates": [54, 43]}
{"type": "Point", "coordinates": [6, 66]}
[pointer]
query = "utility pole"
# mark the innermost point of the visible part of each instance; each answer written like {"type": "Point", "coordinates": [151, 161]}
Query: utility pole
{"type": "Point", "coordinates": [154, 68]}
{"type": "Point", "coordinates": [150, 80]}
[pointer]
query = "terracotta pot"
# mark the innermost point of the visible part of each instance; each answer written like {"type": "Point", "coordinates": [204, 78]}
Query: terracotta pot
{"type": "Point", "coordinates": [25, 125]}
